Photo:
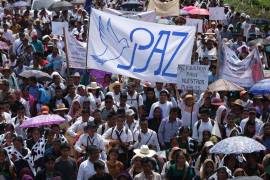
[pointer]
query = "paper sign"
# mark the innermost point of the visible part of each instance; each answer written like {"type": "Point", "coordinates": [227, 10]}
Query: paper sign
{"type": "Point", "coordinates": [57, 27]}
{"type": "Point", "coordinates": [192, 77]}
{"type": "Point", "coordinates": [198, 23]}
{"type": "Point", "coordinates": [76, 52]}
{"type": "Point", "coordinates": [216, 13]}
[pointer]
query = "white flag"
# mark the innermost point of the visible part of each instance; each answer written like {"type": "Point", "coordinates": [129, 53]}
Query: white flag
{"type": "Point", "coordinates": [138, 49]}
{"type": "Point", "coordinates": [241, 72]}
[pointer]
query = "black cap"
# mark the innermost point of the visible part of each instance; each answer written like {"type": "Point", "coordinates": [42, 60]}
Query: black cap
{"type": "Point", "coordinates": [91, 124]}
{"type": "Point", "coordinates": [92, 148]}
{"type": "Point", "coordinates": [204, 111]}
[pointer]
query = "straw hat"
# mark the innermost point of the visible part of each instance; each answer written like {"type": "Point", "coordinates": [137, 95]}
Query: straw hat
{"type": "Point", "coordinates": [144, 151]}
{"type": "Point", "coordinates": [61, 107]}
{"type": "Point", "coordinates": [115, 83]}
{"type": "Point", "coordinates": [93, 85]}
{"type": "Point", "coordinates": [238, 102]}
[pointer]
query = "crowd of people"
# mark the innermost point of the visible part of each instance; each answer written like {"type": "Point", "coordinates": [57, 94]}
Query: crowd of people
{"type": "Point", "coordinates": [119, 127]}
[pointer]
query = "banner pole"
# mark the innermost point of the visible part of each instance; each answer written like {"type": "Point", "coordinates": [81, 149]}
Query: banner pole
{"type": "Point", "coordinates": [86, 65]}
{"type": "Point", "coordinates": [66, 50]}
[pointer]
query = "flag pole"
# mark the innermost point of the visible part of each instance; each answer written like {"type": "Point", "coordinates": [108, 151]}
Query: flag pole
{"type": "Point", "coordinates": [66, 50]}
{"type": "Point", "coordinates": [87, 39]}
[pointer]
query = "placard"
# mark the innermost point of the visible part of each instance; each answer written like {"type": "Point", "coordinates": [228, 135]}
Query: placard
{"type": "Point", "coordinates": [192, 77]}
{"type": "Point", "coordinates": [216, 13]}
{"type": "Point", "coordinates": [57, 27]}
{"type": "Point", "coordinates": [198, 23]}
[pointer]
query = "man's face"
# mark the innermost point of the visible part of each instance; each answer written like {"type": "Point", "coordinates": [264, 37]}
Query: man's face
{"type": "Point", "coordinates": [144, 126]}
{"type": "Point", "coordinates": [131, 89]}
{"type": "Point", "coordinates": [85, 116]}
{"type": "Point", "coordinates": [204, 116]}
{"type": "Point", "coordinates": [116, 89]}
{"type": "Point", "coordinates": [120, 122]}
{"type": "Point", "coordinates": [252, 115]}
{"type": "Point", "coordinates": [58, 93]}
{"type": "Point", "coordinates": [163, 97]}
{"type": "Point", "coordinates": [94, 156]}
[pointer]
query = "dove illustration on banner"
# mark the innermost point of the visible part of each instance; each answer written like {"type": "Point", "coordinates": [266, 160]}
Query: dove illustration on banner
{"type": "Point", "coordinates": [108, 36]}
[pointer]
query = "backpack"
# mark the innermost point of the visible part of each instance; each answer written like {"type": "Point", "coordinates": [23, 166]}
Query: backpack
{"type": "Point", "coordinates": [199, 124]}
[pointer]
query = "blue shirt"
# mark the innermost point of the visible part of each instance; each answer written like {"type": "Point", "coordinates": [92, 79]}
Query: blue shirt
{"type": "Point", "coordinates": [168, 129]}
{"type": "Point", "coordinates": [55, 62]}
{"type": "Point", "coordinates": [212, 78]}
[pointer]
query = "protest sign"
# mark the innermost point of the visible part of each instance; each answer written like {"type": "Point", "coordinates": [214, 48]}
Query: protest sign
{"type": "Point", "coordinates": [198, 23]}
{"type": "Point", "coordinates": [148, 16]}
{"type": "Point", "coordinates": [216, 13]}
{"type": "Point", "coordinates": [138, 49]}
{"type": "Point", "coordinates": [76, 52]}
{"type": "Point", "coordinates": [192, 77]}
{"type": "Point", "coordinates": [164, 8]}
{"type": "Point", "coordinates": [245, 72]}
{"type": "Point", "coordinates": [57, 27]}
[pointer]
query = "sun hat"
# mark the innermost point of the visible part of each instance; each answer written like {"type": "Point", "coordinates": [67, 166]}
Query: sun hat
{"type": "Point", "coordinates": [93, 86]}
{"type": "Point", "coordinates": [144, 151]}
{"type": "Point", "coordinates": [130, 112]}
{"type": "Point", "coordinates": [61, 107]}
{"type": "Point", "coordinates": [112, 85]}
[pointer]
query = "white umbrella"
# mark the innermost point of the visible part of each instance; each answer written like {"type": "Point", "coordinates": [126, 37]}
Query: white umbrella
{"type": "Point", "coordinates": [20, 4]}
{"type": "Point", "coordinates": [35, 73]}
{"type": "Point", "coordinates": [224, 85]}
{"type": "Point", "coordinates": [40, 4]}
{"type": "Point", "coordinates": [247, 178]}
{"type": "Point", "coordinates": [237, 145]}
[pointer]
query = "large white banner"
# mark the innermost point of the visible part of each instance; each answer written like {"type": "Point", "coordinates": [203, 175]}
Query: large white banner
{"type": "Point", "coordinates": [148, 16]}
{"type": "Point", "coordinates": [76, 51]}
{"type": "Point", "coordinates": [138, 49]}
{"type": "Point", "coordinates": [192, 77]}
{"type": "Point", "coordinates": [244, 72]}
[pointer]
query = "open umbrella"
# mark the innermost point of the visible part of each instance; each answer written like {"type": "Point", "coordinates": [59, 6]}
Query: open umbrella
{"type": "Point", "coordinates": [42, 120]}
{"type": "Point", "coordinates": [35, 73]}
{"type": "Point", "coordinates": [20, 4]}
{"type": "Point", "coordinates": [60, 6]}
{"type": "Point", "coordinates": [224, 85]}
{"type": "Point", "coordinates": [40, 4]}
{"type": "Point", "coordinates": [237, 145]}
{"type": "Point", "coordinates": [247, 178]}
{"type": "Point", "coordinates": [262, 87]}
{"type": "Point", "coordinates": [199, 11]}
{"type": "Point", "coordinates": [188, 8]}
{"type": "Point", "coordinates": [132, 5]}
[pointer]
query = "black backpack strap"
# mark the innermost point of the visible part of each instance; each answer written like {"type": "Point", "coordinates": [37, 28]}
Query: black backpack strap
{"type": "Point", "coordinates": [102, 128]}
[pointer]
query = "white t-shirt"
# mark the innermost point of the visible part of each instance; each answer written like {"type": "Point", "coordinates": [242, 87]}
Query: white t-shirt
{"type": "Point", "coordinates": [165, 109]}
{"type": "Point", "coordinates": [197, 132]}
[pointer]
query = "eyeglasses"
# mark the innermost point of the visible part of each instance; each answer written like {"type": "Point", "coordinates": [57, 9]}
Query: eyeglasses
{"type": "Point", "coordinates": [108, 101]}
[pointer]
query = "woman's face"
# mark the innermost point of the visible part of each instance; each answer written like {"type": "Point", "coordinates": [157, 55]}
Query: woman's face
{"type": "Point", "coordinates": [157, 112]}
{"type": "Point", "coordinates": [209, 167]}
{"type": "Point", "coordinates": [8, 138]}
{"type": "Point", "coordinates": [189, 102]}
{"type": "Point", "coordinates": [36, 135]}
{"type": "Point", "coordinates": [113, 156]}
{"type": "Point", "coordinates": [76, 105]}
{"type": "Point", "coordinates": [222, 175]}
{"type": "Point", "coordinates": [150, 95]}
{"type": "Point", "coordinates": [181, 160]}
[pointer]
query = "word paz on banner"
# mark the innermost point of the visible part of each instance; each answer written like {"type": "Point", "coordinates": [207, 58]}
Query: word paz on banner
{"type": "Point", "coordinates": [121, 44]}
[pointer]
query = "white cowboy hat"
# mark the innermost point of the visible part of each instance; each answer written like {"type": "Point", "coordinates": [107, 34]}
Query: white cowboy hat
{"type": "Point", "coordinates": [93, 85]}
{"type": "Point", "coordinates": [144, 151]}
{"type": "Point", "coordinates": [112, 85]}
